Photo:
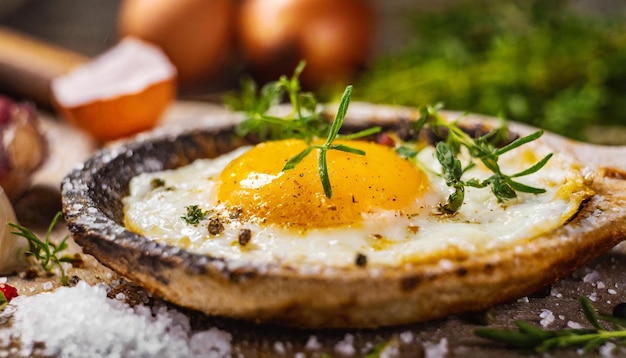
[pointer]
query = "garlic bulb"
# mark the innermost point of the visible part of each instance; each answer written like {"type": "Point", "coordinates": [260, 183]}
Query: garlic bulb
{"type": "Point", "coordinates": [12, 247]}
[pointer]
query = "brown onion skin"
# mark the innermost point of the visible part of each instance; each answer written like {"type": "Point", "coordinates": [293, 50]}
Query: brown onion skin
{"type": "Point", "coordinates": [197, 35]}
{"type": "Point", "coordinates": [335, 37]}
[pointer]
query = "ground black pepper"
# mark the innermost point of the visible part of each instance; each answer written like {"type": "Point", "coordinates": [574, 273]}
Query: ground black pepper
{"type": "Point", "coordinates": [244, 236]}
{"type": "Point", "coordinates": [361, 260]}
{"type": "Point", "coordinates": [215, 226]}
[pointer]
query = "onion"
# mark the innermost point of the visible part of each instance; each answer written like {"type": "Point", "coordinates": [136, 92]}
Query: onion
{"type": "Point", "coordinates": [335, 37]}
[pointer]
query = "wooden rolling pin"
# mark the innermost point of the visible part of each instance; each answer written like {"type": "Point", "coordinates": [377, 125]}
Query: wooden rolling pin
{"type": "Point", "coordinates": [28, 65]}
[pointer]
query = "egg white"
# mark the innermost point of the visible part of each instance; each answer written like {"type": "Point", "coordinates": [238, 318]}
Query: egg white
{"type": "Point", "coordinates": [385, 238]}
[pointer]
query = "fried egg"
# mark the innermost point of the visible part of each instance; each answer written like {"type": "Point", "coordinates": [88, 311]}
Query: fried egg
{"type": "Point", "coordinates": [383, 210]}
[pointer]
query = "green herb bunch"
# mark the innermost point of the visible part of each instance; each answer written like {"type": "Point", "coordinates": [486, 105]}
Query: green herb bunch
{"type": "Point", "coordinates": [605, 328]}
{"type": "Point", "coordinates": [545, 63]}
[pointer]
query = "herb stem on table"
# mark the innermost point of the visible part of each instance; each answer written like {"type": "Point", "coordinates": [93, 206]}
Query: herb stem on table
{"type": "Point", "coordinates": [530, 338]}
{"type": "Point", "coordinates": [44, 251]}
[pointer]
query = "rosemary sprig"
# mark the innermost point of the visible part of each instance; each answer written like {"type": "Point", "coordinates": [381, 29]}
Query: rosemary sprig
{"type": "Point", "coordinates": [530, 338]}
{"type": "Point", "coordinates": [483, 149]}
{"type": "Point", "coordinates": [45, 251]}
{"type": "Point", "coordinates": [328, 145]}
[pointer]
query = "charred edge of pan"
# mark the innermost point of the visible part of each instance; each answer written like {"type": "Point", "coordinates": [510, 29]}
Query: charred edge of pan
{"type": "Point", "coordinates": [410, 283]}
{"type": "Point", "coordinates": [241, 275]}
{"type": "Point", "coordinates": [578, 212]}
{"type": "Point", "coordinates": [154, 267]}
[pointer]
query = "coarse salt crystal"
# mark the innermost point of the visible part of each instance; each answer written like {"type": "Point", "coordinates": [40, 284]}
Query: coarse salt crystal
{"type": "Point", "coordinates": [313, 344]}
{"type": "Point", "coordinates": [279, 347]}
{"type": "Point", "coordinates": [574, 325]}
{"type": "Point", "coordinates": [346, 346]}
{"type": "Point", "coordinates": [608, 349]}
{"type": "Point", "coordinates": [591, 277]}
{"type": "Point", "coordinates": [600, 285]}
{"type": "Point", "coordinates": [547, 317]}
{"type": "Point", "coordinates": [612, 291]}
{"type": "Point", "coordinates": [436, 350]}
{"type": "Point", "coordinates": [47, 286]}
{"type": "Point", "coordinates": [406, 337]}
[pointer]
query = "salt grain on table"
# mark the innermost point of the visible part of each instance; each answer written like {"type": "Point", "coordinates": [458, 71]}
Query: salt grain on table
{"type": "Point", "coordinates": [547, 317]}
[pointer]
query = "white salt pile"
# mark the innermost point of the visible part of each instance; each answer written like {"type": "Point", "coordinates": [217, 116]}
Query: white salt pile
{"type": "Point", "coordinates": [82, 322]}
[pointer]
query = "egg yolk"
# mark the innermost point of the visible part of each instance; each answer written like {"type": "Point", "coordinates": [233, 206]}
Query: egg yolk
{"type": "Point", "coordinates": [377, 181]}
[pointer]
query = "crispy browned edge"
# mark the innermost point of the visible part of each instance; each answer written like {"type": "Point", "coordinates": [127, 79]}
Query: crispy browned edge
{"type": "Point", "coordinates": [358, 297]}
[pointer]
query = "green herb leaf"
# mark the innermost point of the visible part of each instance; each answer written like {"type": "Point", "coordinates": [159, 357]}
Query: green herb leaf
{"type": "Point", "coordinates": [323, 170]}
{"type": "Point", "coordinates": [406, 152]}
{"type": "Point", "coordinates": [296, 159]}
{"type": "Point", "coordinates": [347, 149]}
{"type": "Point", "coordinates": [341, 115]}
{"type": "Point", "coordinates": [194, 215]}
{"type": "Point", "coordinates": [360, 134]}
{"type": "Point", "coordinates": [535, 168]}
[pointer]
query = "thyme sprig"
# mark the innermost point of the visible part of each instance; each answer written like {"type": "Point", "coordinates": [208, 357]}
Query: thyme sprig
{"type": "Point", "coordinates": [530, 338]}
{"type": "Point", "coordinates": [484, 149]}
{"type": "Point", "coordinates": [44, 251]}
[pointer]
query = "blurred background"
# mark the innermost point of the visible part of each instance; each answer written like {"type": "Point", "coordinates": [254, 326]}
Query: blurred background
{"type": "Point", "coordinates": [557, 64]}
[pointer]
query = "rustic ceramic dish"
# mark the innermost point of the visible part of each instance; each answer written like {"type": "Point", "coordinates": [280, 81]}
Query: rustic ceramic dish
{"type": "Point", "coordinates": [355, 297]}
